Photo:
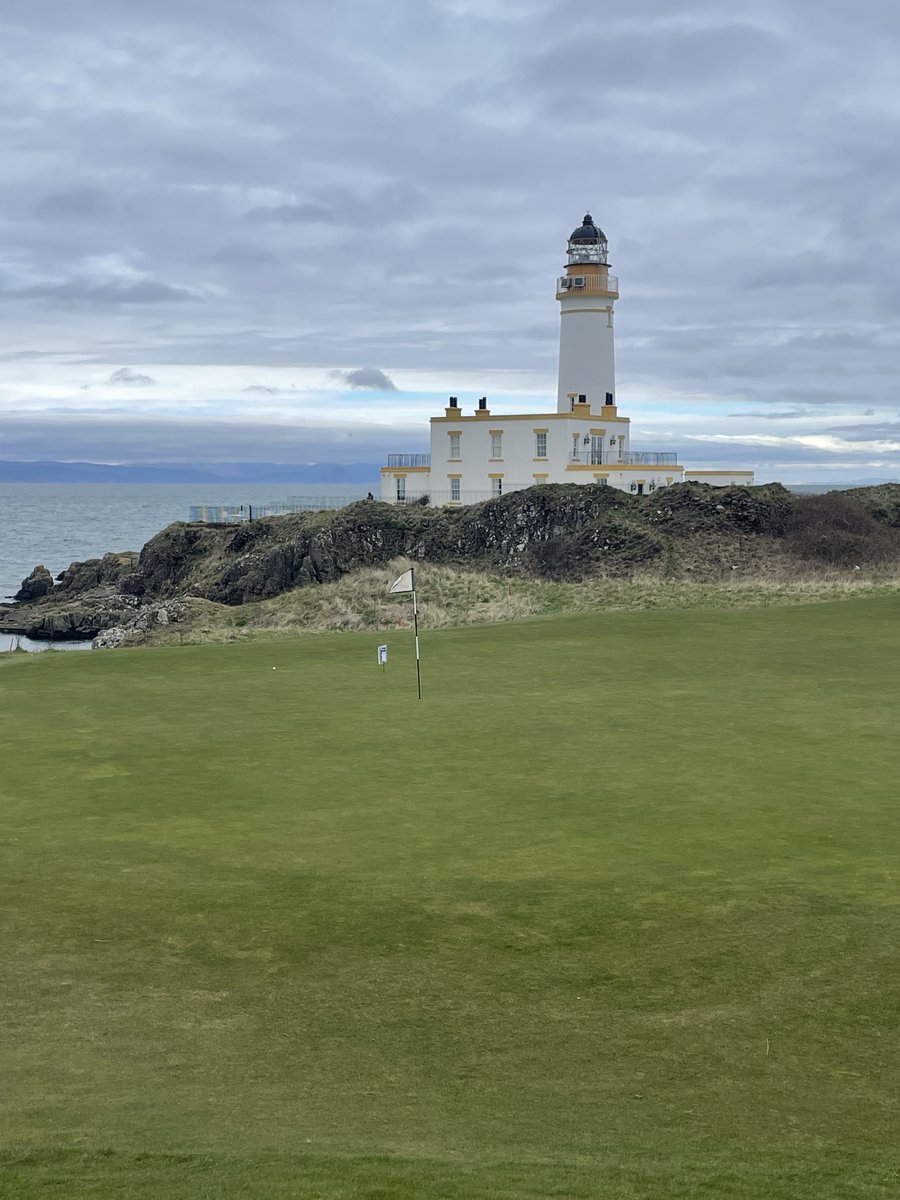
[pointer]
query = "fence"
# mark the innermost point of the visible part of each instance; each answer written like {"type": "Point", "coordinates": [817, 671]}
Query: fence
{"type": "Point", "coordinates": [236, 514]}
{"type": "Point", "coordinates": [628, 458]}
{"type": "Point", "coordinates": [409, 460]}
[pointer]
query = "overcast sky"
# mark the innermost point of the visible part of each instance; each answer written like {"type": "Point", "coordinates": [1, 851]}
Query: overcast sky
{"type": "Point", "coordinates": [286, 231]}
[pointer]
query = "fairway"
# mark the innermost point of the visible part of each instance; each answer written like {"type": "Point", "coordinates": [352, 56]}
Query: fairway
{"type": "Point", "coordinates": [611, 913]}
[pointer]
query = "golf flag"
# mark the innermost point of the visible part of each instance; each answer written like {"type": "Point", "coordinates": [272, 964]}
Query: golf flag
{"type": "Point", "coordinates": [405, 582]}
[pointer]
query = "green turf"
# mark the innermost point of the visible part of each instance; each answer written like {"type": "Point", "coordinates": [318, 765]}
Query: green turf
{"type": "Point", "coordinates": [611, 913]}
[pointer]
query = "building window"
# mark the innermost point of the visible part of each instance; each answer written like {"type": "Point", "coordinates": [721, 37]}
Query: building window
{"type": "Point", "coordinates": [454, 489]}
{"type": "Point", "coordinates": [496, 487]}
{"type": "Point", "coordinates": [496, 445]}
{"type": "Point", "coordinates": [454, 445]}
{"type": "Point", "coordinates": [540, 445]}
{"type": "Point", "coordinates": [401, 487]}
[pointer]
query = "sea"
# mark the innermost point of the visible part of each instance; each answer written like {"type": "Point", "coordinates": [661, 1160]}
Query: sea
{"type": "Point", "coordinates": [55, 524]}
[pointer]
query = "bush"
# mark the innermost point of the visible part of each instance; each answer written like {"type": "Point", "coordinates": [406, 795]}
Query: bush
{"type": "Point", "coordinates": [836, 529]}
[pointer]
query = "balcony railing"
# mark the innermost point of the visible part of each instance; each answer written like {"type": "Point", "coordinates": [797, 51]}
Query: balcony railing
{"type": "Point", "coordinates": [409, 460]}
{"type": "Point", "coordinates": [593, 285]}
{"type": "Point", "coordinates": [627, 458]}
{"type": "Point", "coordinates": [649, 458]}
{"type": "Point", "coordinates": [611, 457]}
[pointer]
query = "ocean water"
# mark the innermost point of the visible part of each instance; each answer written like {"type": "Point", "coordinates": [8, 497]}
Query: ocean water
{"type": "Point", "coordinates": [58, 523]}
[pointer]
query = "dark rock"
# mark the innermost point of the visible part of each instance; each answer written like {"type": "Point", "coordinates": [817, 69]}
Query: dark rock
{"type": "Point", "coordinates": [95, 572]}
{"type": "Point", "coordinates": [37, 584]}
{"type": "Point", "coordinates": [61, 618]}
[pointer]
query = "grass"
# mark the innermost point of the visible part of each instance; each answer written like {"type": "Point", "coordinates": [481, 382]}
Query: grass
{"type": "Point", "coordinates": [610, 914]}
{"type": "Point", "coordinates": [450, 596]}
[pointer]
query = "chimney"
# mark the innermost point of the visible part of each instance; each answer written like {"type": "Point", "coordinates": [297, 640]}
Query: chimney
{"type": "Point", "coordinates": [452, 409]}
{"type": "Point", "coordinates": [482, 410]}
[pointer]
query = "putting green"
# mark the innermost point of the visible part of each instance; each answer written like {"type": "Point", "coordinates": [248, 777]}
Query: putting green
{"type": "Point", "coordinates": [611, 913]}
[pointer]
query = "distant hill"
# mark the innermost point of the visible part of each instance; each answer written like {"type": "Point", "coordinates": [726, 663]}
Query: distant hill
{"type": "Point", "coordinates": [362, 474]}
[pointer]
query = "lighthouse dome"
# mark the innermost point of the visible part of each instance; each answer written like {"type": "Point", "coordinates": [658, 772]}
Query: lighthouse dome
{"type": "Point", "coordinates": [587, 232]}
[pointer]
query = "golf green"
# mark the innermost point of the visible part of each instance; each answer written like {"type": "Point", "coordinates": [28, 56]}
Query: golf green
{"type": "Point", "coordinates": [611, 913]}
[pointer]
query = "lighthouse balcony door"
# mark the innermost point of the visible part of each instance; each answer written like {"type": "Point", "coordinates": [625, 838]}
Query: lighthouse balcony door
{"type": "Point", "coordinates": [596, 451]}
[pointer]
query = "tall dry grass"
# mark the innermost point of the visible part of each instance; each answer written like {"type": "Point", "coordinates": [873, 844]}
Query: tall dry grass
{"type": "Point", "coordinates": [450, 597]}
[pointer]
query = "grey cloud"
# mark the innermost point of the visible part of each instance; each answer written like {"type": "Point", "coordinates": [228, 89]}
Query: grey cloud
{"type": "Point", "coordinates": [244, 255]}
{"type": "Point", "coordinates": [658, 57]}
{"type": "Point", "coordinates": [76, 203]}
{"type": "Point", "coordinates": [290, 214]}
{"type": "Point", "coordinates": [109, 292]}
{"type": "Point", "coordinates": [791, 414]}
{"type": "Point", "coordinates": [880, 431]}
{"type": "Point", "coordinates": [367, 378]}
{"type": "Point", "coordinates": [126, 377]}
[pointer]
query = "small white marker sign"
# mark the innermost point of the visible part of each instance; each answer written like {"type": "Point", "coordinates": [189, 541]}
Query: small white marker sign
{"type": "Point", "coordinates": [382, 655]}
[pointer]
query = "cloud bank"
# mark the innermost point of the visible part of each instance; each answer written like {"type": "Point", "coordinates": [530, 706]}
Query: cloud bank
{"type": "Point", "coordinates": [248, 195]}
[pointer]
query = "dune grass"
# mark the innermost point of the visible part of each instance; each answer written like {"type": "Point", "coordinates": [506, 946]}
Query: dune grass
{"type": "Point", "coordinates": [611, 913]}
{"type": "Point", "coordinates": [450, 596]}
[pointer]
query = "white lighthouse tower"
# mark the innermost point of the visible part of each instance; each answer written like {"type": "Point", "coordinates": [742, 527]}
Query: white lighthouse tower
{"type": "Point", "coordinates": [586, 294]}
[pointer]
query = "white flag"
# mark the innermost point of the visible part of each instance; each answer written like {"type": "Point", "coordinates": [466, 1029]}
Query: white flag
{"type": "Point", "coordinates": [405, 583]}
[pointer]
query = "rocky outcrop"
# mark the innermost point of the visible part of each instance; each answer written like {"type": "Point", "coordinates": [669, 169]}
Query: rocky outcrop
{"type": "Point", "coordinates": [34, 586]}
{"type": "Point", "coordinates": [141, 621]}
{"type": "Point", "coordinates": [68, 619]}
{"type": "Point", "coordinates": [556, 531]}
{"type": "Point", "coordinates": [96, 572]}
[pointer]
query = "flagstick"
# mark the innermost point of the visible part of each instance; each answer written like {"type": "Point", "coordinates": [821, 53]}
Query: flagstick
{"type": "Point", "coordinates": [416, 624]}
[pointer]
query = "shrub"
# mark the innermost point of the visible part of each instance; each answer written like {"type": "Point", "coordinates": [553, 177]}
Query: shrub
{"type": "Point", "coordinates": [836, 529]}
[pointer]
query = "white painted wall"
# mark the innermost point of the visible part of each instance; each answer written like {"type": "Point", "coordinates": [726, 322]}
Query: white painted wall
{"type": "Point", "coordinates": [587, 363]}
{"type": "Point", "coordinates": [519, 465]}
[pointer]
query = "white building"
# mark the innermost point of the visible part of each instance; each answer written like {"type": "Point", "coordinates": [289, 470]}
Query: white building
{"type": "Point", "coordinates": [478, 455]}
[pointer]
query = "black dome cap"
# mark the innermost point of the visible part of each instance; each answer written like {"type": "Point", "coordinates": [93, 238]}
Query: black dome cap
{"type": "Point", "coordinates": [588, 232]}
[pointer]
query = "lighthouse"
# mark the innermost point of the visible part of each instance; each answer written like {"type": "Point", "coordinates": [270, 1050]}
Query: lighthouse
{"type": "Point", "coordinates": [480, 454]}
{"type": "Point", "coordinates": [586, 294]}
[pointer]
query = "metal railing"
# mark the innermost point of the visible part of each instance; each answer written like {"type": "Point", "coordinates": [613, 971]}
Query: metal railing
{"type": "Point", "coordinates": [237, 514]}
{"type": "Point", "coordinates": [593, 458]}
{"type": "Point", "coordinates": [627, 458]}
{"type": "Point", "coordinates": [649, 458]}
{"type": "Point", "coordinates": [593, 285]}
{"type": "Point", "coordinates": [409, 460]}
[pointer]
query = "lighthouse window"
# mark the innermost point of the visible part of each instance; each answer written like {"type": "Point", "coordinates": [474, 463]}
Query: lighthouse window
{"type": "Point", "coordinates": [454, 489]}
{"type": "Point", "coordinates": [401, 487]}
{"type": "Point", "coordinates": [496, 445]}
{"type": "Point", "coordinates": [540, 445]}
{"type": "Point", "coordinates": [496, 487]}
{"type": "Point", "coordinates": [454, 445]}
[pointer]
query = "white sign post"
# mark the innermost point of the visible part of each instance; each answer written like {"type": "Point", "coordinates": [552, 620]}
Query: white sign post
{"type": "Point", "coordinates": [382, 657]}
